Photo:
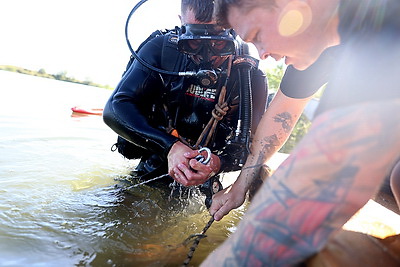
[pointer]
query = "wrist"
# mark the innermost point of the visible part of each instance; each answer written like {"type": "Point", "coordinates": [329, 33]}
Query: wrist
{"type": "Point", "coordinates": [246, 177]}
{"type": "Point", "coordinates": [217, 166]}
{"type": "Point", "coordinates": [239, 187]}
{"type": "Point", "coordinates": [173, 146]}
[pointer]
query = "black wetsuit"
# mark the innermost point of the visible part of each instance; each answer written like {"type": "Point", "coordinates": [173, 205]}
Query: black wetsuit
{"type": "Point", "coordinates": [146, 105]}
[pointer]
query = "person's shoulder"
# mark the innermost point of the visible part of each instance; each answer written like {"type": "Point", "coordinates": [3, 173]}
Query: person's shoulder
{"type": "Point", "coordinates": [171, 38]}
{"type": "Point", "coordinates": [159, 37]}
{"type": "Point", "coordinates": [245, 61]}
{"type": "Point", "coordinates": [243, 55]}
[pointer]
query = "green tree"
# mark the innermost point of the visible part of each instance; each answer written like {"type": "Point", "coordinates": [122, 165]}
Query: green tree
{"type": "Point", "coordinates": [274, 76]}
{"type": "Point", "coordinates": [42, 72]}
{"type": "Point", "coordinates": [62, 75]}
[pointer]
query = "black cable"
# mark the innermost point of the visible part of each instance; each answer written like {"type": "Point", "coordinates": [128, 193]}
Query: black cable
{"type": "Point", "coordinates": [141, 61]}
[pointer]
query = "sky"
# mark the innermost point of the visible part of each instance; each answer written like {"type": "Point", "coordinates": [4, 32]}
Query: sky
{"type": "Point", "coordinates": [84, 38]}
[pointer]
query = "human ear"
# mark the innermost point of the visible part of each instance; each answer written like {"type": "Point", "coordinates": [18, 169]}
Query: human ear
{"type": "Point", "coordinates": [295, 17]}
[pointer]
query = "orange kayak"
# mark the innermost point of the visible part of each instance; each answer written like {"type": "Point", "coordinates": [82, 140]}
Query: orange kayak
{"type": "Point", "coordinates": [89, 111]}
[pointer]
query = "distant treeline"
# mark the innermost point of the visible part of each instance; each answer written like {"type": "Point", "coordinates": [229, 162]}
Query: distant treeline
{"type": "Point", "coordinates": [274, 79]}
{"type": "Point", "coordinates": [61, 76]}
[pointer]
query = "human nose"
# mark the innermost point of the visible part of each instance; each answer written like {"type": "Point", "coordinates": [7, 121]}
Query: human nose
{"type": "Point", "coordinates": [262, 53]}
{"type": "Point", "coordinates": [264, 56]}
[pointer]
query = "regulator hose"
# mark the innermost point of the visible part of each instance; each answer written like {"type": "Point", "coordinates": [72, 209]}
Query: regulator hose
{"type": "Point", "coordinates": [246, 105]}
{"type": "Point", "coordinates": [246, 101]}
{"type": "Point", "coordinates": [136, 56]}
{"type": "Point", "coordinates": [241, 140]}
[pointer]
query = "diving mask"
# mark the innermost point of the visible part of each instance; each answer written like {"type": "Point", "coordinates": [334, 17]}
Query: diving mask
{"type": "Point", "coordinates": [206, 40]}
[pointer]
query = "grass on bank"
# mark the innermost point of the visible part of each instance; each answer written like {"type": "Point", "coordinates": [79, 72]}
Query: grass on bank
{"type": "Point", "coordinates": [61, 76]}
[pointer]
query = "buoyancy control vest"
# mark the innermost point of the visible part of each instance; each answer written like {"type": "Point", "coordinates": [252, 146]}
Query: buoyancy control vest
{"type": "Point", "coordinates": [237, 145]}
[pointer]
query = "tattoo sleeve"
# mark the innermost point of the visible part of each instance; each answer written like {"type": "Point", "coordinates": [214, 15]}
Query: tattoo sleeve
{"type": "Point", "coordinates": [329, 176]}
{"type": "Point", "coordinates": [286, 120]}
{"type": "Point", "coordinates": [270, 144]}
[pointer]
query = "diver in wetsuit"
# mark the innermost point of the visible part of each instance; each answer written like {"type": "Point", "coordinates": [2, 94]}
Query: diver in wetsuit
{"type": "Point", "coordinates": [160, 117]}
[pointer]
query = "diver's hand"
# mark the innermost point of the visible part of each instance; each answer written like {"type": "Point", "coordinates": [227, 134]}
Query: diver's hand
{"type": "Point", "coordinates": [175, 158]}
{"type": "Point", "coordinates": [202, 171]}
{"type": "Point", "coordinates": [185, 169]}
{"type": "Point", "coordinates": [226, 200]}
{"type": "Point", "coordinates": [196, 173]}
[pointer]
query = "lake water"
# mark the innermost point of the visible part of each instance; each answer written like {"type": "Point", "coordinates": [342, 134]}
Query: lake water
{"type": "Point", "coordinates": [63, 199]}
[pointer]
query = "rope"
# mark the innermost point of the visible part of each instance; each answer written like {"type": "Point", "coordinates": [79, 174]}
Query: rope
{"type": "Point", "coordinates": [197, 241]}
{"type": "Point", "coordinates": [218, 112]}
{"type": "Point", "coordinates": [147, 181]}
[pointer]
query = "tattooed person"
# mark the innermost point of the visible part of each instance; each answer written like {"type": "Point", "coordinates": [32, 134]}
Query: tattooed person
{"type": "Point", "coordinates": [353, 143]}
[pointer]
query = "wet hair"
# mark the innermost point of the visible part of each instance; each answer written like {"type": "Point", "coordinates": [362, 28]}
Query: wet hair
{"type": "Point", "coordinates": [203, 9]}
{"type": "Point", "coordinates": [222, 8]}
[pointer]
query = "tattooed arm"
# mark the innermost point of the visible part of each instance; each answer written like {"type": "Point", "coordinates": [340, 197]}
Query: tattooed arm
{"type": "Point", "coordinates": [331, 174]}
{"type": "Point", "coordinates": [272, 132]}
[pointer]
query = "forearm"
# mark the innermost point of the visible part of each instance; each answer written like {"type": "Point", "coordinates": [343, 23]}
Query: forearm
{"type": "Point", "coordinates": [332, 174]}
{"type": "Point", "coordinates": [272, 132]}
{"type": "Point", "coordinates": [130, 107]}
{"type": "Point", "coordinates": [135, 128]}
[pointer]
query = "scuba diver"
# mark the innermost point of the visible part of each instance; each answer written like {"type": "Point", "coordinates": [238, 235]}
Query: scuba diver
{"type": "Point", "coordinates": [194, 126]}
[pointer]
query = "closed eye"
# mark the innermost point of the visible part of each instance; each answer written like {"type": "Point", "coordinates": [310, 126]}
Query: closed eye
{"type": "Point", "coordinates": [252, 37]}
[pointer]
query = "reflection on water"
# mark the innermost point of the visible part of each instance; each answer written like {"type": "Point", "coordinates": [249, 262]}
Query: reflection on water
{"type": "Point", "coordinates": [62, 201]}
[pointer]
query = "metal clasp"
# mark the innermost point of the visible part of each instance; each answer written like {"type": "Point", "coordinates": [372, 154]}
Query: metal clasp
{"type": "Point", "coordinates": [201, 158]}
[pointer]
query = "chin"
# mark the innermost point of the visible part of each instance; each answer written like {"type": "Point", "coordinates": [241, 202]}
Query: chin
{"type": "Point", "coordinates": [298, 65]}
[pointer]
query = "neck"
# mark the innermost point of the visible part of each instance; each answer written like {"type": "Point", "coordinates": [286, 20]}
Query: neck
{"type": "Point", "coordinates": [328, 16]}
{"type": "Point", "coordinates": [333, 37]}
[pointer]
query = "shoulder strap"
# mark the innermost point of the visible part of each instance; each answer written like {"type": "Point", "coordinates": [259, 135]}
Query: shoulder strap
{"type": "Point", "coordinates": [171, 59]}
{"type": "Point", "coordinates": [243, 56]}
{"type": "Point", "coordinates": [151, 36]}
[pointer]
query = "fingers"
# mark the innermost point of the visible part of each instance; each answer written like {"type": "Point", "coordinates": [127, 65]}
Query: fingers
{"type": "Point", "coordinates": [180, 177]}
{"type": "Point", "coordinates": [188, 176]}
{"type": "Point", "coordinates": [191, 154]}
{"type": "Point", "coordinates": [188, 171]}
{"type": "Point", "coordinates": [194, 174]}
{"type": "Point", "coordinates": [199, 167]}
{"type": "Point", "coordinates": [221, 213]}
{"type": "Point", "coordinates": [215, 206]}
{"type": "Point", "coordinates": [219, 209]}
{"type": "Point", "coordinates": [225, 201]}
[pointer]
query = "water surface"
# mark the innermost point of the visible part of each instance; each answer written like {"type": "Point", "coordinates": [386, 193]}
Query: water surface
{"type": "Point", "coordinates": [63, 201]}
